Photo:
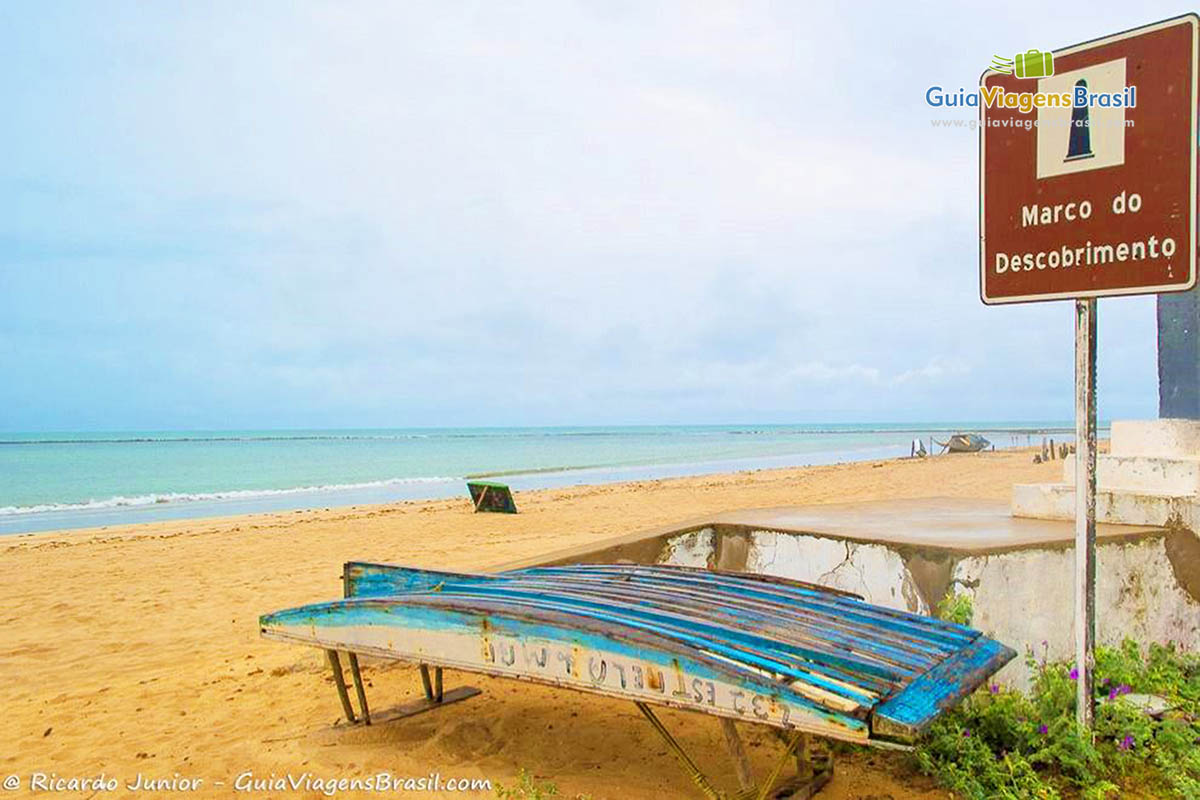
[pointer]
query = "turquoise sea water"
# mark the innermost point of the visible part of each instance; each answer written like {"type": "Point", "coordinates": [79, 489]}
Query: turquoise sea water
{"type": "Point", "coordinates": [50, 481]}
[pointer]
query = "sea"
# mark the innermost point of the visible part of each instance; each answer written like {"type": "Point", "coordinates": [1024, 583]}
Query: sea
{"type": "Point", "coordinates": [51, 481]}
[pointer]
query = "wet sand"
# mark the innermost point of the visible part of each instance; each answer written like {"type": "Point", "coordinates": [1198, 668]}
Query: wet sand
{"type": "Point", "coordinates": [135, 650]}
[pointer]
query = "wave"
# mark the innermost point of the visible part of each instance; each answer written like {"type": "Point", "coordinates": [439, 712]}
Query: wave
{"type": "Point", "coordinates": [517, 433]}
{"type": "Point", "coordinates": [504, 473]}
{"type": "Point", "coordinates": [174, 439]}
{"type": "Point", "coordinates": [194, 497]}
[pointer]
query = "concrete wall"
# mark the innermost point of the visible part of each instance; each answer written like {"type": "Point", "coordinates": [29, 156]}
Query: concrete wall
{"type": "Point", "coordinates": [1026, 599]}
{"type": "Point", "coordinates": [1148, 588]}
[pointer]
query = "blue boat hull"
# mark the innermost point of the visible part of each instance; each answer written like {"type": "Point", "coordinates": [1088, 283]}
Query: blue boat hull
{"type": "Point", "coordinates": [760, 649]}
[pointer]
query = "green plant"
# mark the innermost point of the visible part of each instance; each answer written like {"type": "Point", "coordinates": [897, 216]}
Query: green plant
{"type": "Point", "coordinates": [1006, 744]}
{"type": "Point", "coordinates": [955, 607]}
{"type": "Point", "coordinates": [528, 789]}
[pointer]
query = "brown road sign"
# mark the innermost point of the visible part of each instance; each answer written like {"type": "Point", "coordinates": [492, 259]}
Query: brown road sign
{"type": "Point", "coordinates": [1087, 177]}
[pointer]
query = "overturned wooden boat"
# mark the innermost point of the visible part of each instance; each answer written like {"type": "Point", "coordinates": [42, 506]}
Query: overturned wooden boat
{"type": "Point", "coordinates": [965, 443]}
{"type": "Point", "coordinates": [756, 648]}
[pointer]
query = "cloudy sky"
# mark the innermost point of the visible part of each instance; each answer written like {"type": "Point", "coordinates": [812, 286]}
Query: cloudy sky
{"type": "Point", "coordinates": [391, 214]}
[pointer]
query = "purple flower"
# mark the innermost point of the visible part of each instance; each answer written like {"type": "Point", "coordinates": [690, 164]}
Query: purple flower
{"type": "Point", "coordinates": [1112, 694]}
{"type": "Point", "coordinates": [1127, 742]}
{"type": "Point", "coordinates": [1075, 674]}
{"type": "Point", "coordinates": [994, 688]}
{"type": "Point", "coordinates": [1043, 729]}
{"type": "Point", "coordinates": [966, 733]}
{"type": "Point", "coordinates": [1106, 681]}
{"type": "Point", "coordinates": [1124, 688]}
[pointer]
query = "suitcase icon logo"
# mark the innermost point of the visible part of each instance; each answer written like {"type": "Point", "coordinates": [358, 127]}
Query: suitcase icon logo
{"type": "Point", "coordinates": [1034, 64]}
{"type": "Point", "coordinates": [1030, 64]}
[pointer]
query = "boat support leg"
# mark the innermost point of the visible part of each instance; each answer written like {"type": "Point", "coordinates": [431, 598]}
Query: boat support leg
{"type": "Point", "coordinates": [813, 771]}
{"type": "Point", "coordinates": [359, 689]}
{"type": "Point", "coordinates": [426, 682]}
{"type": "Point", "coordinates": [339, 680]}
{"type": "Point", "coordinates": [433, 691]}
{"type": "Point", "coordinates": [741, 763]}
{"type": "Point", "coordinates": [807, 782]}
{"type": "Point", "coordinates": [689, 766]}
{"type": "Point", "coordinates": [435, 694]}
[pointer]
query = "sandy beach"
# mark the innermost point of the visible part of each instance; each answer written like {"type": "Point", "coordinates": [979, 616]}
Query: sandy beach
{"type": "Point", "coordinates": [135, 650]}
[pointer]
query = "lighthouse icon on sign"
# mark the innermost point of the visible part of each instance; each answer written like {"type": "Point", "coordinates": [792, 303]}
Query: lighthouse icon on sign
{"type": "Point", "coordinates": [1065, 143]}
{"type": "Point", "coordinates": [1079, 144]}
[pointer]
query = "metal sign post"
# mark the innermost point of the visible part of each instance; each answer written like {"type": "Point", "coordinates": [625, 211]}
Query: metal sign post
{"type": "Point", "coordinates": [1088, 188]}
{"type": "Point", "coordinates": [1085, 509]}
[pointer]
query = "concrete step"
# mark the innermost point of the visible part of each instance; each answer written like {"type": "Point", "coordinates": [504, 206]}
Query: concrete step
{"type": "Point", "coordinates": [1057, 501]}
{"type": "Point", "coordinates": [1142, 474]}
{"type": "Point", "coordinates": [1165, 438]}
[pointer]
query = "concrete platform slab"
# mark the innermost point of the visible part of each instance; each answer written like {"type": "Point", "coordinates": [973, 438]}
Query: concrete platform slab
{"type": "Point", "coordinates": [1165, 438]}
{"type": "Point", "coordinates": [1056, 501]}
{"type": "Point", "coordinates": [1151, 477]}
{"type": "Point", "coordinates": [910, 554]}
{"type": "Point", "coordinates": [1167, 477]}
{"type": "Point", "coordinates": [961, 525]}
{"type": "Point", "coordinates": [954, 525]}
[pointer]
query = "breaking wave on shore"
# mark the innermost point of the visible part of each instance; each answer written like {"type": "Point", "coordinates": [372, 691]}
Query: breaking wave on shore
{"type": "Point", "coordinates": [195, 497]}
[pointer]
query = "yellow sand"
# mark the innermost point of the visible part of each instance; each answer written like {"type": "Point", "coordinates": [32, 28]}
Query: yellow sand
{"type": "Point", "coordinates": [135, 650]}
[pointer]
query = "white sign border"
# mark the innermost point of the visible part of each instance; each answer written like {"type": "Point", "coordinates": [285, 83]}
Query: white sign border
{"type": "Point", "coordinates": [1194, 20]}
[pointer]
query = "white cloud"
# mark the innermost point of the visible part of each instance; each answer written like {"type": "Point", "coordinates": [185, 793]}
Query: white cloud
{"type": "Point", "coordinates": [649, 212]}
{"type": "Point", "coordinates": [933, 370]}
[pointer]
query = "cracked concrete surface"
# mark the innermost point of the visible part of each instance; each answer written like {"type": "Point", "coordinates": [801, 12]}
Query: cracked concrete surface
{"type": "Point", "coordinates": [876, 572]}
{"type": "Point", "coordinates": [1026, 598]}
{"type": "Point", "coordinates": [691, 549]}
{"type": "Point", "coordinates": [1022, 597]}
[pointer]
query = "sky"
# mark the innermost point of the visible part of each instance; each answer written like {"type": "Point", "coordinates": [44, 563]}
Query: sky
{"type": "Point", "coordinates": [299, 215]}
